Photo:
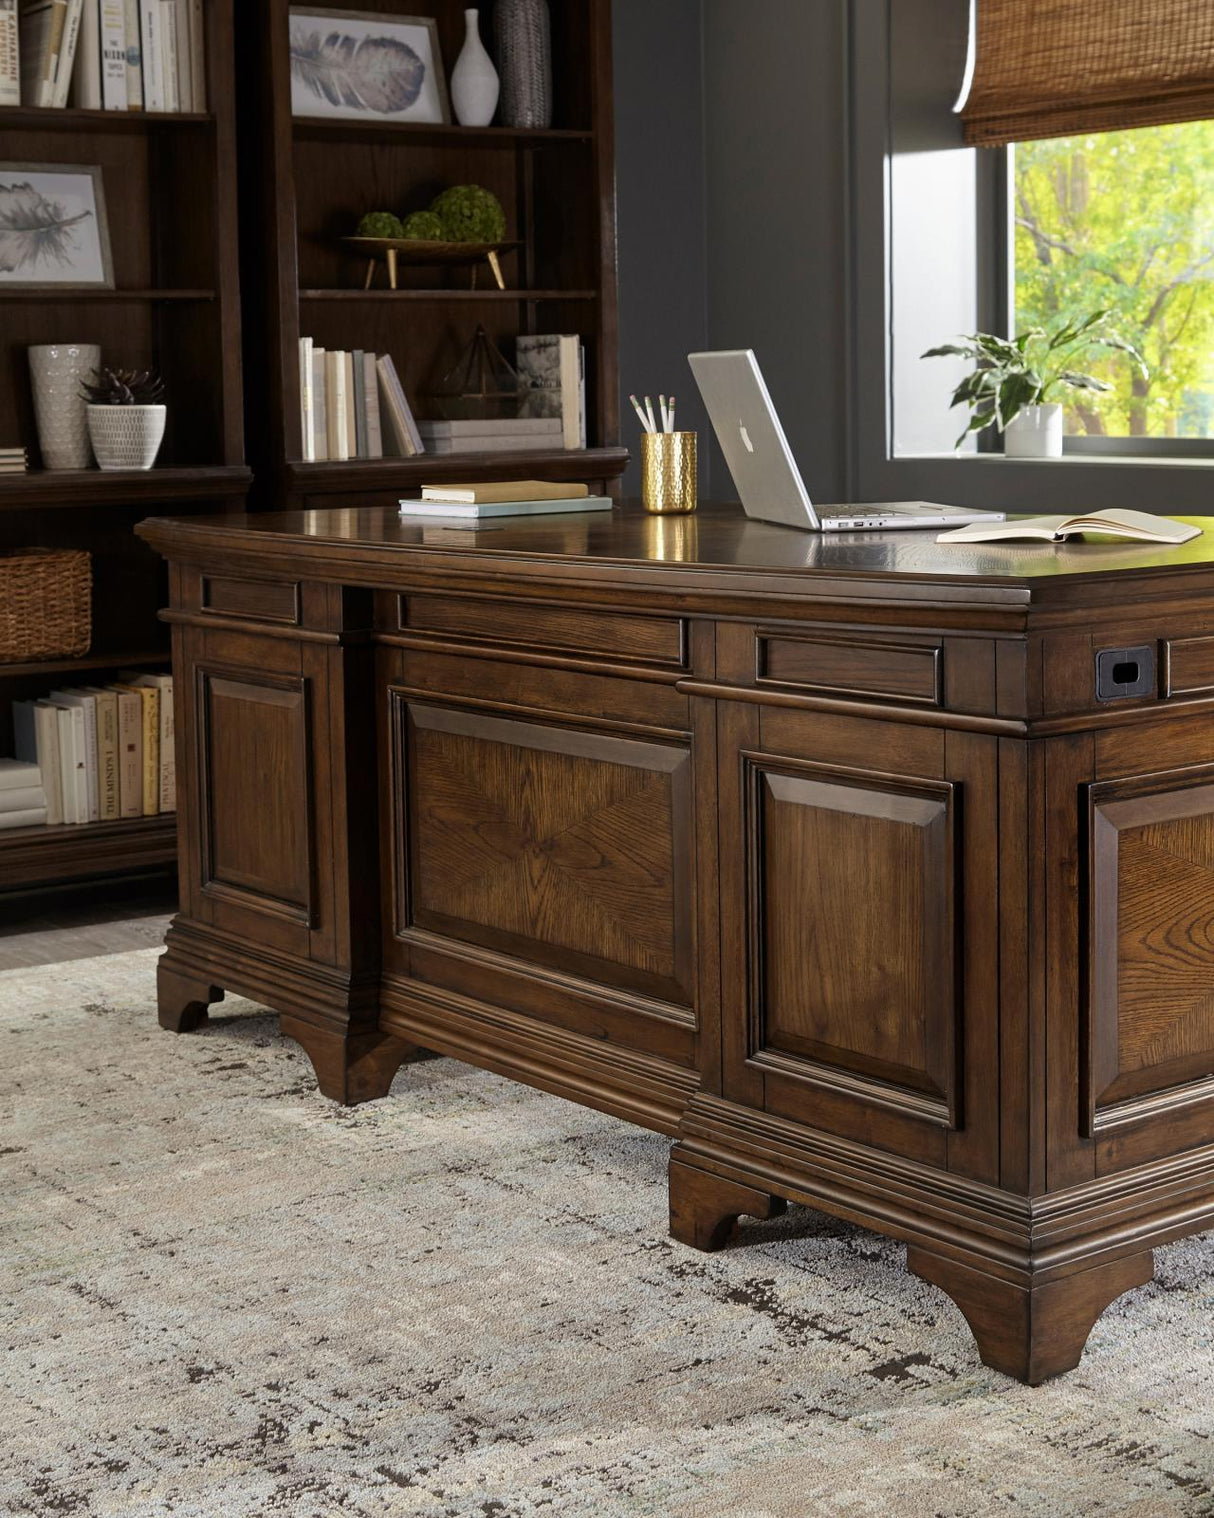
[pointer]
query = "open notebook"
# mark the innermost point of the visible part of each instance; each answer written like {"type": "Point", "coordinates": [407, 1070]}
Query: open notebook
{"type": "Point", "coordinates": [1138, 525]}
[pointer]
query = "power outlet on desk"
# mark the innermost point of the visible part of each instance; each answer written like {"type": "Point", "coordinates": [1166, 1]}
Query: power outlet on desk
{"type": "Point", "coordinates": [1124, 672]}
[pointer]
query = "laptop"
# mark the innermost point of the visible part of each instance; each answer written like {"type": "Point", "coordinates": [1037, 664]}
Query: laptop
{"type": "Point", "coordinates": [764, 471]}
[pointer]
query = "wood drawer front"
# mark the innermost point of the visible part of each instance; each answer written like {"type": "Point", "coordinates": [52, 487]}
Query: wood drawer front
{"type": "Point", "coordinates": [598, 634]}
{"type": "Point", "coordinates": [838, 667]}
{"type": "Point", "coordinates": [509, 687]}
{"type": "Point", "coordinates": [252, 600]}
{"type": "Point", "coordinates": [1189, 663]}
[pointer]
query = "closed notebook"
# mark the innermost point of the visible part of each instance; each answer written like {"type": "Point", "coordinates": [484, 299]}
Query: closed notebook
{"type": "Point", "coordinates": [483, 510]}
{"type": "Point", "coordinates": [503, 490]}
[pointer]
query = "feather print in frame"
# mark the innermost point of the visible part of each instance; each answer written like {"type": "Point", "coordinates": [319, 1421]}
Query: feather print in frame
{"type": "Point", "coordinates": [360, 65]}
{"type": "Point", "coordinates": [53, 230]}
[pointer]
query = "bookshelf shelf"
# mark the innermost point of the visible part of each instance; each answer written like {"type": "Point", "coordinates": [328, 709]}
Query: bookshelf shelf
{"type": "Point", "coordinates": [96, 487]}
{"type": "Point", "coordinates": [45, 118]}
{"type": "Point", "coordinates": [446, 295]}
{"type": "Point", "coordinates": [111, 297]}
{"type": "Point", "coordinates": [139, 659]}
{"type": "Point", "coordinates": [433, 134]}
{"type": "Point", "coordinates": [82, 851]}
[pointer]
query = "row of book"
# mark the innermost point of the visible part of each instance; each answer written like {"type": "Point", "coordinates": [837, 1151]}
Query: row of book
{"type": "Point", "coordinates": [112, 55]}
{"type": "Point", "coordinates": [99, 753]}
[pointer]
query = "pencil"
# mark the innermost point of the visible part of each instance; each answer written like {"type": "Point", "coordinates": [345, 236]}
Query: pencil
{"type": "Point", "coordinates": [653, 426]}
{"type": "Point", "coordinates": [665, 414]}
{"type": "Point", "coordinates": [636, 406]}
{"type": "Point", "coordinates": [670, 414]}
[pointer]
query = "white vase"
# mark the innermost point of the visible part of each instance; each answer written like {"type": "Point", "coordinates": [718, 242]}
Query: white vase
{"type": "Point", "coordinates": [1035, 432]}
{"type": "Point", "coordinates": [474, 82]}
{"type": "Point", "coordinates": [57, 372]}
{"type": "Point", "coordinates": [126, 437]}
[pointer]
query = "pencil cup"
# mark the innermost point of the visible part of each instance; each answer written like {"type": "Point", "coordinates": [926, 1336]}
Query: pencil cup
{"type": "Point", "coordinates": [668, 472]}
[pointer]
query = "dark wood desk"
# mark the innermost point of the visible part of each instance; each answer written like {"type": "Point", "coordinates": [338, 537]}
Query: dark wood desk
{"type": "Point", "coordinates": [822, 854]}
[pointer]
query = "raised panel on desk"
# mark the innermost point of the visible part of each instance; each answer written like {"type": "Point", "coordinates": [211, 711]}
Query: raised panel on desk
{"type": "Point", "coordinates": [573, 630]}
{"type": "Point", "coordinates": [851, 899]}
{"type": "Point", "coordinates": [559, 848]}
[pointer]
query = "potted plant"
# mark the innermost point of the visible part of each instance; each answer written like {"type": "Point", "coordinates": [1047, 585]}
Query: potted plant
{"type": "Point", "coordinates": [126, 416]}
{"type": "Point", "coordinates": [1015, 381]}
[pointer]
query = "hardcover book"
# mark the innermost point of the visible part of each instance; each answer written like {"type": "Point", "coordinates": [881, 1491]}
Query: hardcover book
{"type": "Point", "coordinates": [130, 751]}
{"type": "Point", "coordinates": [86, 750]}
{"type": "Point", "coordinates": [113, 55]}
{"type": "Point", "coordinates": [10, 54]}
{"type": "Point", "coordinates": [551, 369]}
{"type": "Point", "coordinates": [36, 743]}
{"type": "Point", "coordinates": [86, 76]}
{"type": "Point", "coordinates": [134, 55]}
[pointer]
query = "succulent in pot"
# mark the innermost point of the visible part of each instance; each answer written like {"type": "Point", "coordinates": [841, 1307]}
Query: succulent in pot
{"type": "Point", "coordinates": [126, 417]}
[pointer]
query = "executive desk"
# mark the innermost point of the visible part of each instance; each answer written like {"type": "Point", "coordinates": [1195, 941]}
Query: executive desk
{"type": "Point", "coordinates": [879, 873]}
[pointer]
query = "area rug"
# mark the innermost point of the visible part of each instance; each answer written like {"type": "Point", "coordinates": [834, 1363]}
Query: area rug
{"type": "Point", "coordinates": [222, 1295]}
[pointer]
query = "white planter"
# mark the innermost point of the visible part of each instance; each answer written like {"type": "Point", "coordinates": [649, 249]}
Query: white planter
{"type": "Point", "coordinates": [126, 437]}
{"type": "Point", "coordinates": [57, 371]}
{"type": "Point", "coordinates": [474, 82]}
{"type": "Point", "coordinates": [1034, 433]}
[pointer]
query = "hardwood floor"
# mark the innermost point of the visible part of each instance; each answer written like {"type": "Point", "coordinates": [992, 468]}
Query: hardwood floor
{"type": "Point", "coordinates": [85, 921]}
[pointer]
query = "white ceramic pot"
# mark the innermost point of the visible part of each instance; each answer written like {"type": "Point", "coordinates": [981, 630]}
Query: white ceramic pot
{"type": "Point", "coordinates": [474, 82]}
{"type": "Point", "coordinates": [1034, 433]}
{"type": "Point", "coordinates": [126, 437]}
{"type": "Point", "coordinates": [57, 372]}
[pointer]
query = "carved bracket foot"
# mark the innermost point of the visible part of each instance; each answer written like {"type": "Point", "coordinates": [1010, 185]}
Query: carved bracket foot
{"type": "Point", "coordinates": [705, 1208]}
{"type": "Point", "coordinates": [181, 1001]}
{"type": "Point", "coordinates": [351, 1067]}
{"type": "Point", "coordinates": [1032, 1332]}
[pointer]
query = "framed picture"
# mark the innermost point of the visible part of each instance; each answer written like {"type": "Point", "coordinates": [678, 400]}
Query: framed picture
{"type": "Point", "coordinates": [53, 231]}
{"type": "Point", "coordinates": [366, 66]}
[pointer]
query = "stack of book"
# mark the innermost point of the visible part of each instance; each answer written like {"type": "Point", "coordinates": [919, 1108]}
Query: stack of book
{"type": "Point", "coordinates": [353, 406]}
{"type": "Point", "coordinates": [22, 797]}
{"type": "Point", "coordinates": [113, 55]}
{"type": "Point", "coordinates": [102, 753]}
{"type": "Point", "coordinates": [519, 434]}
{"type": "Point", "coordinates": [13, 461]}
{"type": "Point", "coordinates": [503, 498]}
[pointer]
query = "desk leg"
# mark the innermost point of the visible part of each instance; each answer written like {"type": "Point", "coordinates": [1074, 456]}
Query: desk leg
{"type": "Point", "coordinates": [182, 1002]}
{"type": "Point", "coordinates": [705, 1208]}
{"type": "Point", "coordinates": [353, 1066]}
{"type": "Point", "coordinates": [1037, 1331]}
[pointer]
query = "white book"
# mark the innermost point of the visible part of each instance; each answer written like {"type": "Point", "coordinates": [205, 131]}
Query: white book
{"type": "Point", "coordinates": [34, 818]}
{"type": "Point", "coordinates": [71, 762]}
{"type": "Point", "coordinates": [1138, 525]}
{"type": "Point", "coordinates": [18, 774]}
{"type": "Point", "coordinates": [67, 53]}
{"type": "Point", "coordinates": [320, 409]}
{"type": "Point", "coordinates": [86, 80]}
{"type": "Point", "coordinates": [335, 401]}
{"type": "Point", "coordinates": [36, 742]}
{"type": "Point", "coordinates": [134, 56]}
{"type": "Point", "coordinates": [10, 54]}
{"type": "Point", "coordinates": [86, 741]}
{"type": "Point", "coordinates": [375, 432]}
{"type": "Point", "coordinates": [113, 55]}
{"type": "Point", "coordinates": [168, 53]}
{"type": "Point", "coordinates": [437, 510]}
{"type": "Point", "coordinates": [22, 800]}
{"type": "Point", "coordinates": [198, 56]}
{"type": "Point", "coordinates": [150, 51]}
{"type": "Point", "coordinates": [306, 417]}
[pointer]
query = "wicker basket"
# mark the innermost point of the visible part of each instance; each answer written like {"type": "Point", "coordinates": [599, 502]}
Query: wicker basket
{"type": "Point", "coordinates": [46, 604]}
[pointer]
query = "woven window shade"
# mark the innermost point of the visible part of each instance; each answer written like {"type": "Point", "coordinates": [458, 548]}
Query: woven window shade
{"type": "Point", "coordinates": [1056, 68]}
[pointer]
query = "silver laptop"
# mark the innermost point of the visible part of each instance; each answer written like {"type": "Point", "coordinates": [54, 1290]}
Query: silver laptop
{"type": "Point", "coordinates": [764, 471]}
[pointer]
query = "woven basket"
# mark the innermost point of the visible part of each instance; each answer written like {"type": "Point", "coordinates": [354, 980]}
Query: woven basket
{"type": "Point", "coordinates": [46, 604]}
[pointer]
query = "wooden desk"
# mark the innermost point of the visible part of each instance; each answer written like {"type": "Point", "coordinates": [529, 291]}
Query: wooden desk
{"type": "Point", "coordinates": [821, 854]}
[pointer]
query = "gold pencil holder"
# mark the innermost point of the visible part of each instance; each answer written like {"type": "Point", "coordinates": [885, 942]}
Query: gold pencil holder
{"type": "Point", "coordinates": [668, 472]}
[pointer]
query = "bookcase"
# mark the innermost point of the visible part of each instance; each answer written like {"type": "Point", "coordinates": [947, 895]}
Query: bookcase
{"type": "Point", "coordinates": [169, 188]}
{"type": "Point", "coordinates": [305, 182]}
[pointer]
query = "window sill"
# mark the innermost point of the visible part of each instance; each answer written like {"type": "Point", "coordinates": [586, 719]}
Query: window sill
{"type": "Point", "coordinates": [1135, 460]}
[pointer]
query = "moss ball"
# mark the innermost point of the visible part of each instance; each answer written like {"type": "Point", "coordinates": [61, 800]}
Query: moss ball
{"type": "Point", "coordinates": [424, 226]}
{"type": "Point", "coordinates": [380, 224]}
{"type": "Point", "coordinates": [470, 214]}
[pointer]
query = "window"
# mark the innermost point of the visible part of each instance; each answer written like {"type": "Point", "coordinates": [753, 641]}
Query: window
{"type": "Point", "coordinates": [1124, 220]}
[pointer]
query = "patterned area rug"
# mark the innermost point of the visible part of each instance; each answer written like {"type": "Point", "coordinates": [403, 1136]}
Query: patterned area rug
{"type": "Point", "coordinates": [222, 1295]}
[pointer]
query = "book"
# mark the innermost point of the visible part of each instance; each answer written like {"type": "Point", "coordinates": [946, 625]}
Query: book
{"type": "Point", "coordinates": [107, 751]}
{"type": "Point", "coordinates": [360, 404]}
{"type": "Point", "coordinates": [196, 28]}
{"type": "Point", "coordinates": [166, 746]}
{"type": "Point", "coordinates": [134, 55]}
{"type": "Point", "coordinates": [347, 364]}
{"type": "Point", "coordinates": [149, 745]}
{"type": "Point", "coordinates": [492, 444]}
{"type": "Point", "coordinates": [1137, 525]}
{"type": "Point", "coordinates": [375, 434]}
{"type": "Point", "coordinates": [499, 426]}
{"type": "Point", "coordinates": [320, 411]}
{"type": "Point", "coordinates": [185, 67]}
{"type": "Point", "coordinates": [86, 76]}
{"type": "Point", "coordinates": [66, 61]}
{"type": "Point", "coordinates": [306, 421]}
{"type": "Point", "coordinates": [150, 50]}
{"type": "Point", "coordinates": [402, 431]}
{"type": "Point", "coordinates": [72, 771]}
{"type": "Point", "coordinates": [18, 775]}
{"type": "Point", "coordinates": [130, 751]}
{"type": "Point", "coordinates": [33, 818]}
{"type": "Point", "coordinates": [482, 510]}
{"type": "Point", "coordinates": [168, 54]}
{"type": "Point", "coordinates": [86, 748]}
{"type": "Point", "coordinates": [504, 490]}
{"type": "Point", "coordinates": [22, 800]}
{"type": "Point", "coordinates": [36, 742]}
{"type": "Point", "coordinates": [551, 370]}
{"type": "Point", "coordinates": [335, 404]}
{"type": "Point", "coordinates": [113, 55]}
{"type": "Point", "coordinates": [36, 26]}
{"type": "Point", "coordinates": [10, 54]}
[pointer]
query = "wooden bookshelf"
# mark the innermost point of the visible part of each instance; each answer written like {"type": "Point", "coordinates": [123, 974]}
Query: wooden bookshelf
{"type": "Point", "coordinates": [307, 181]}
{"type": "Point", "coordinates": [169, 182]}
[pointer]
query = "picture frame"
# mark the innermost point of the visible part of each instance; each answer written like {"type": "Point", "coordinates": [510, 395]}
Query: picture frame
{"type": "Point", "coordinates": [54, 232]}
{"type": "Point", "coordinates": [330, 55]}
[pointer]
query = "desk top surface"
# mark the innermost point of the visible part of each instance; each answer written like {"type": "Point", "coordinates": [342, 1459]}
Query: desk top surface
{"type": "Point", "coordinates": [716, 541]}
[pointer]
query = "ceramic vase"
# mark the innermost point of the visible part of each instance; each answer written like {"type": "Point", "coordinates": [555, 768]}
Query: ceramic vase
{"type": "Point", "coordinates": [523, 34]}
{"type": "Point", "coordinates": [57, 372]}
{"type": "Point", "coordinates": [1035, 432]}
{"type": "Point", "coordinates": [474, 82]}
{"type": "Point", "coordinates": [126, 437]}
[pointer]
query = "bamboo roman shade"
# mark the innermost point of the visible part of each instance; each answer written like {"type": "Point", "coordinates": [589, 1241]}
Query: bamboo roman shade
{"type": "Point", "coordinates": [1055, 68]}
